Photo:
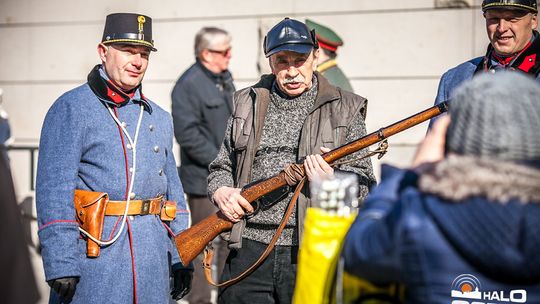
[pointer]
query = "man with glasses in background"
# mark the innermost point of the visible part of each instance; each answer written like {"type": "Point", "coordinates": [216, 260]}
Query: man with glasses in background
{"type": "Point", "coordinates": [201, 105]}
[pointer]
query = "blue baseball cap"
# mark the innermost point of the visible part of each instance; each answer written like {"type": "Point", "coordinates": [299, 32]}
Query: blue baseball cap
{"type": "Point", "coordinates": [289, 35]}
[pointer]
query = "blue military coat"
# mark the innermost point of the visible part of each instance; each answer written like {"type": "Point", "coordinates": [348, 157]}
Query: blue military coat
{"type": "Point", "coordinates": [81, 148]}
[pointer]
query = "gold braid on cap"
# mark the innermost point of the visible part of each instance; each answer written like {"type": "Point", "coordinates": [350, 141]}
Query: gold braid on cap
{"type": "Point", "coordinates": [141, 21]}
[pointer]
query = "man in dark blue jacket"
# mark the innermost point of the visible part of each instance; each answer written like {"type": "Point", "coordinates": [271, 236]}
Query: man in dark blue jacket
{"type": "Point", "coordinates": [201, 106]}
{"type": "Point", "coordinates": [462, 225]}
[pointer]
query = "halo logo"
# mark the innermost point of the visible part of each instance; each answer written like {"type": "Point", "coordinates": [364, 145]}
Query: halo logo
{"type": "Point", "coordinates": [467, 286]}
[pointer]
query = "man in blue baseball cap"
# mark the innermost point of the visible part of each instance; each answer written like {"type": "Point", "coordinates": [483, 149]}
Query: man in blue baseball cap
{"type": "Point", "coordinates": [514, 45]}
{"type": "Point", "coordinates": [288, 116]}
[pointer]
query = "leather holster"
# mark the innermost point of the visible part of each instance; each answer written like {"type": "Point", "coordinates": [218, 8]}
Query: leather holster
{"type": "Point", "coordinates": [90, 209]}
{"type": "Point", "coordinates": [168, 211]}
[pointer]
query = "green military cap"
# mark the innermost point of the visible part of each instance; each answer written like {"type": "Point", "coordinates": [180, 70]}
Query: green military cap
{"type": "Point", "coordinates": [328, 39]}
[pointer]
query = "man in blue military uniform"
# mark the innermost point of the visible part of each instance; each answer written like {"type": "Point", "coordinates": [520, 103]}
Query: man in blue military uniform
{"type": "Point", "coordinates": [329, 41]}
{"type": "Point", "coordinates": [514, 44]}
{"type": "Point", "coordinates": [106, 136]}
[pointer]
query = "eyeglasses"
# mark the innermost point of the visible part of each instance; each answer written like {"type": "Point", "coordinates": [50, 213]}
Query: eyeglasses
{"type": "Point", "coordinates": [222, 53]}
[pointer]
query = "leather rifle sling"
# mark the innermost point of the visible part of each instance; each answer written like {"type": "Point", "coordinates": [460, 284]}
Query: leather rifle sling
{"type": "Point", "coordinates": [209, 253]}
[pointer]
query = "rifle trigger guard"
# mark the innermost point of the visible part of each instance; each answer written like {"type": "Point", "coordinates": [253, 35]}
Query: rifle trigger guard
{"type": "Point", "coordinates": [256, 206]}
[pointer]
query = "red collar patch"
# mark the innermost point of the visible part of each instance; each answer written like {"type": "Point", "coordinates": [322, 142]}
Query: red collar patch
{"type": "Point", "coordinates": [528, 63]}
{"type": "Point", "coordinates": [117, 95]}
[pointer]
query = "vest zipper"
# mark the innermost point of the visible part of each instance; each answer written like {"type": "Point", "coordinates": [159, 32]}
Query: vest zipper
{"type": "Point", "coordinates": [253, 151]}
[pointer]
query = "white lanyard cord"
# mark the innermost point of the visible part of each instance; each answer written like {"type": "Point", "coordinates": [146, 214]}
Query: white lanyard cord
{"type": "Point", "coordinates": [131, 182]}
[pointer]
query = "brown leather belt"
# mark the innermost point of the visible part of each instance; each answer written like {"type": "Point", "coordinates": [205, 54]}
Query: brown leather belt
{"type": "Point", "coordinates": [136, 207]}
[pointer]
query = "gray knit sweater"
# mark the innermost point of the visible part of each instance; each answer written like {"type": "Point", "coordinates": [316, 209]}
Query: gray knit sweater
{"type": "Point", "coordinates": [277, 149]}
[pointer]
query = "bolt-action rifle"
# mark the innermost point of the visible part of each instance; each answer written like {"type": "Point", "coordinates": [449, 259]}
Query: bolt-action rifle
{"type": "Point", "coordinates": [192, 241]}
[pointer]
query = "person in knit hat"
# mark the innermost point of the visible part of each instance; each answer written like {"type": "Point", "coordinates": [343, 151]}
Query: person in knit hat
{"type": "Point", "coordinates": [514, 45]}
{"type": "Point", "coordinates": [463, 222]}
{"type": "Point", "coordinates": [329, 42]}
{"type": "Point", "coordinates": [290, 115]}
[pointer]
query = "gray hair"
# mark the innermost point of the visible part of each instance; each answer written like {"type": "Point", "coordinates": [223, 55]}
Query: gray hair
{"type": "Point", "coordinates": [207, 37]}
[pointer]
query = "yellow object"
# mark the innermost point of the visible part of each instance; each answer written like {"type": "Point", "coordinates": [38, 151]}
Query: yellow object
{"type": "Point", "coordinates": [141, 21]}
{"type": "Point", "coordinates": [324, 234]}
{"type": "Point", "coordinates": [323, 238]}
{"type": "Point", "coordinates": [326, 65]}
{"type": "Point", "coordinates": [360, 291]}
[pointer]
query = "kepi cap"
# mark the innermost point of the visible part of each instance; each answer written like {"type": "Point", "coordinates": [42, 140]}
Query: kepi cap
{"type": "Point", "coordinates": [328, 39]}
{"type": "Point", "coordinates": [128, 28]}
{"type": "Point", "coordinates": [289, 35]}
{"type": "Point", "coordinates": [526, 5]}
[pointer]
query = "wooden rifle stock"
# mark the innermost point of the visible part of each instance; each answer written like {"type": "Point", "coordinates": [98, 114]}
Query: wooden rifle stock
{"type": "Point", "coordinates": [192, 241]}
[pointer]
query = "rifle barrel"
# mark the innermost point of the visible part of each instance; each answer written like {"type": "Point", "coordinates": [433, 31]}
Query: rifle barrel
{"type": "Point", "coordinates": [383, 133]}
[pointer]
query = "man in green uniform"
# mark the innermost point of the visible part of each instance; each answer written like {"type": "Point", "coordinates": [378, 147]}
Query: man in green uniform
{"type": "Point", "coordinates": [329, 41]}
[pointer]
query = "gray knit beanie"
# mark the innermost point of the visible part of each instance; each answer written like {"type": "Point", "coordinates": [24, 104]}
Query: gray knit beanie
{"type": "Point", "coordinates": [496, 116]}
